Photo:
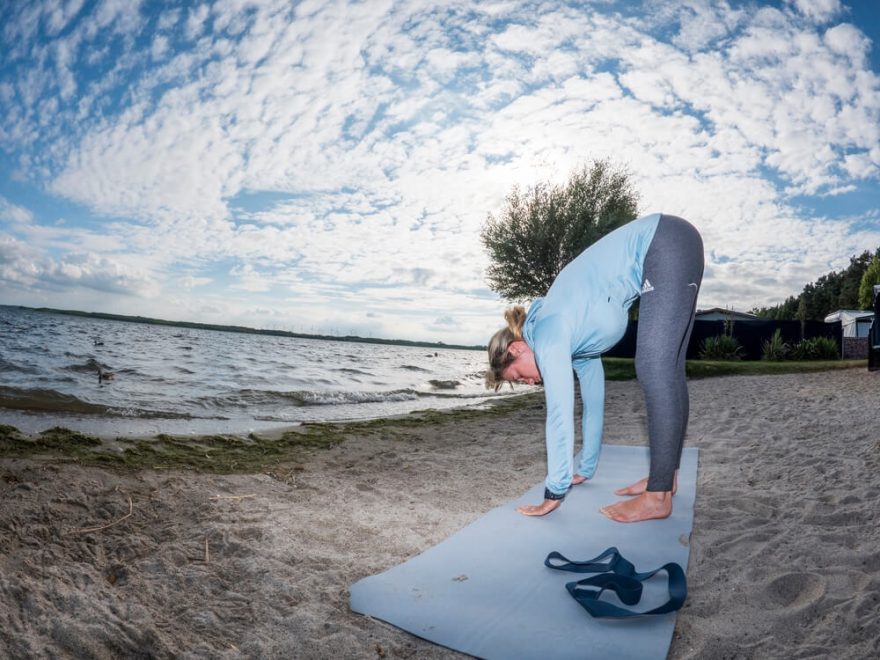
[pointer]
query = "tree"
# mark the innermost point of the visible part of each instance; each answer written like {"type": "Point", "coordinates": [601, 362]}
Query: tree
{"type": "Point", "coordinates": [832, 291]}
{"type": "Point", "coordinates": [538, 232]}
{"type": "Point", "coordinates": [866, 288]}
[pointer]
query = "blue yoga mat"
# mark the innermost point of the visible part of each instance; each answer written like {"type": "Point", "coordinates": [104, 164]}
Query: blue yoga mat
{"type": "Point", "coordinates": [485, 590]}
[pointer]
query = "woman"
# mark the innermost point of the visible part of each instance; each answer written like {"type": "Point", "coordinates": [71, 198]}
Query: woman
{"type": "Point", "coordinates": [658, 258]}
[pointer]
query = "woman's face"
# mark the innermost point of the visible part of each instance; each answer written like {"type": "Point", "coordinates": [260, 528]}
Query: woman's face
{"type": "Point", "coordinates": [523, 369]}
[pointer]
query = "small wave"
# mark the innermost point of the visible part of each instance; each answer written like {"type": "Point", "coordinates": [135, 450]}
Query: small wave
{"type": "Point", "coordinates": [353, 372]}
{"type": "Point", "coordinates": [47, 401]}
{"type": "Point", "coordinates": [411, 367]}
{"type": "Point", "coordinates": [444, 384]}
{"type": "Point", "coordinates": [440, 394]}
{"type": "Point", "coordinates": [89, 366]}
{"type": "Point", "coordinates": [335, 398]}
{"type": "Point", "coordinates": [8, 365]}
{"type": "Point", "coordinates": [141, 413]}
{"type": "Point", "coordinates": [246, 398]}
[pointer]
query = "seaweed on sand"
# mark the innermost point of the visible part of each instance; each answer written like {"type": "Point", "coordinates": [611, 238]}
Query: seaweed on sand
{"type": "Point", "coordinates": [225, 454]}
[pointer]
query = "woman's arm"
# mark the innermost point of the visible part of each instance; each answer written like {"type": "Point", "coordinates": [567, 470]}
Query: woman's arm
{"type": "Point", "coordinates": [591, 376]}
{"type": "Point", "coordinates": [554, 362]}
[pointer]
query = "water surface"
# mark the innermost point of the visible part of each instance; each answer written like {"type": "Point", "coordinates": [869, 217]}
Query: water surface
{"type": "Point", "coordinates": [167, 379]}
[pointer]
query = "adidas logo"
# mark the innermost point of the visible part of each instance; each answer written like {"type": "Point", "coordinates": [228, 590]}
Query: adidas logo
{"type": "Point", "coordinates": [646, 287]}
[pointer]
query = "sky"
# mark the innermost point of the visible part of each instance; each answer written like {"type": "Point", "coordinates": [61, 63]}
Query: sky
{"type": "Point", "coordinates": [326, 166]}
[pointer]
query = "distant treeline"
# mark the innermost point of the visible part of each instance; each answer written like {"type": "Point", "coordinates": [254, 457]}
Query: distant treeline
{"type": "Point", "coordinates": [836, 290]}
{"type": "Point", "coordinates": [252, 331]}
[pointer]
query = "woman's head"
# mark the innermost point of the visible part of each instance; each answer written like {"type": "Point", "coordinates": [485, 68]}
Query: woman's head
{"type": "Point", "coordinates": [506, 348]}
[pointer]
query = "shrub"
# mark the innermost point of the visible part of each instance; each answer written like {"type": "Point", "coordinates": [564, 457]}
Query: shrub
{"type": "Point", "coordinates": [774, 348]}
{"type": "Point", "coordinates": [721, 347]}
{"type": "Point", "coordinates": [816, 348]}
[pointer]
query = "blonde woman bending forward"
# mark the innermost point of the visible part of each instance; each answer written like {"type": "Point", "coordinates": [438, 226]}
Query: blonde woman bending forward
{"type": "Point", "coordinates": [658, 258]}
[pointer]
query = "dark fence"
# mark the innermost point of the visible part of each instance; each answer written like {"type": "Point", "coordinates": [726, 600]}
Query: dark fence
{"type": "Point", "coordinates": [750, 335]}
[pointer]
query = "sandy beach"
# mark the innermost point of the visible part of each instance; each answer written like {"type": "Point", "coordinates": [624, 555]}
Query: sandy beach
{"type": "Point", "coordinates": [785, 552]}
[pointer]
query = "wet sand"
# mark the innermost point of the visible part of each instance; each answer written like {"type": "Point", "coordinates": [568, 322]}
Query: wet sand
{"type": "Point", "coordinates": [785, 553]}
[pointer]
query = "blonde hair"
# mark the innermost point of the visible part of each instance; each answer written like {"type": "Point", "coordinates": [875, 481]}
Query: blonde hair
{"type": "Point", "coordinates": [499, 358]}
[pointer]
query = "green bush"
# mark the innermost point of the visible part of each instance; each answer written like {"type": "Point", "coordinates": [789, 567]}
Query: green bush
{"type": "Point", "coordinates": [774, 348]}
{"type": "Point", "coordinates": [721, 347]}
{"type": "Point", "coordinates": [816, 348]}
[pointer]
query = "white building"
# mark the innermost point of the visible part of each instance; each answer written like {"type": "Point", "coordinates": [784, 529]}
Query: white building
{"type": "Point", "coordinates": [721, 314]}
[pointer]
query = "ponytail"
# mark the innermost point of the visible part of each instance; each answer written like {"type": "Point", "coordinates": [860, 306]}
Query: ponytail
{"type": "Point", "coordinates": [516, 318]}
{"type": "Point", "coordinates": [499, 358]}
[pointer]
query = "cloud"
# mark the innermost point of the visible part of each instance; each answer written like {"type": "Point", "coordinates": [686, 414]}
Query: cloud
{"type": "Point", "coordinates": [246, 278]}
{"type": "Point", "coordinates": [16, 262]}
{"type": "Point", "coordinates": [190, 282]}
{"type": "Point", "coordinates": [11, 213]}
{"type": "Point", "coordinates": [23, 266]}
{"type": "Point", "coordinates": [820, 11]}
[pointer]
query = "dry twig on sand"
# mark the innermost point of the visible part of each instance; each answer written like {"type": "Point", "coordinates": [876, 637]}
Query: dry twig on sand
{"type": "Point", "coordinates": [86, 530]}
{"type": "Point", "coordinates": [231, 497]}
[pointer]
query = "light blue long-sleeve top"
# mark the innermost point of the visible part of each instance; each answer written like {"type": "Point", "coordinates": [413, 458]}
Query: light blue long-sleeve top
{"type": "Point", "coordinates": [583, 315]}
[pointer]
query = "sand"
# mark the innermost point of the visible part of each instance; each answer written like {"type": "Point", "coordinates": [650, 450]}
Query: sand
{"type": "Point", "coordinates": [785, 553]}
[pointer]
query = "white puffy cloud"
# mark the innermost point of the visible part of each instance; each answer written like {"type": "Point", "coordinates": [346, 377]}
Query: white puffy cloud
{"type": "Point", "coordinates": [12, 213]}
{"type": "Point", "coordinates": [820, 11]}
{"type": "Point", "coordinates": [24, 267]}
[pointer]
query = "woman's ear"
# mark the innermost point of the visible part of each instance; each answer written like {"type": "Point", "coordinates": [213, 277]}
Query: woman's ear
{"type": "Point", "coordinates": [516, 348]}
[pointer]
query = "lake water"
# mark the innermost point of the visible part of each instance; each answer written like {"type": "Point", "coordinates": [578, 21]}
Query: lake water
{"type": "Point", "coordinates": [192, 381]}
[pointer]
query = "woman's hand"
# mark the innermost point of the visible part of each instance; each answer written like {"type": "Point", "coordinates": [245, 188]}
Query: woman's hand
{"type": "Point", "coordinates": [539, 509]}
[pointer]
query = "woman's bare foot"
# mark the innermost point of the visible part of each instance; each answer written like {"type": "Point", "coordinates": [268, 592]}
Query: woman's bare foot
{"type": "Point", "coordinates": [539, 509]}
{"type": "Point", "coordinates": [641, 486]}
{"type": "Point", "coordinates": [577, 480]}
{"type": "Point", "coordinates": [649, 505]}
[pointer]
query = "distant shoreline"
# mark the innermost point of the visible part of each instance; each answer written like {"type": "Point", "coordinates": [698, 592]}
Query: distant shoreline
{"type": "Point", "coordinates": [245, 330]}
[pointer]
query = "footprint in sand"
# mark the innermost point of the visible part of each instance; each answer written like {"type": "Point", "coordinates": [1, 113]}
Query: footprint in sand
{"type": "Point", "coordinates": [866, 610]}
{"type": "Point", "coordinates": [793, 591]}
{"type": "Point", "coordinates": [871, 562]}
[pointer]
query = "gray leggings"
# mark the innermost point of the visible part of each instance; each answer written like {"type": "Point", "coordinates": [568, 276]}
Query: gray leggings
{"type": "Point", "coordinates": [673, 272]}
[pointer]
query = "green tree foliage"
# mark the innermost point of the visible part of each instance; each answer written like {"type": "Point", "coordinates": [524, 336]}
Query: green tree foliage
{"type": "Point", "coordinates": [866, 287]}
{"type": "Point", "coordinates": [542, 229]}
{"type": "Point", "coordinates": [832, 291]}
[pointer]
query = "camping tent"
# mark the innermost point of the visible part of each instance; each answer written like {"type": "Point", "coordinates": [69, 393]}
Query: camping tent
{"type": "Point", "coordinates": [855, 322]}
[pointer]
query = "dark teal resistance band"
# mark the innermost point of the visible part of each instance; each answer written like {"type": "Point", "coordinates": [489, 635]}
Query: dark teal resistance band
{"type": "Point", "coordinates": [619, 575]}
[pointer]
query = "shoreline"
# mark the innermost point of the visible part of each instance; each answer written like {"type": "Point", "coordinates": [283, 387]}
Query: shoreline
{"type": "Point", "coordinates": [233, 453]}
{"type": "Point", "coordinates": [784, 552]}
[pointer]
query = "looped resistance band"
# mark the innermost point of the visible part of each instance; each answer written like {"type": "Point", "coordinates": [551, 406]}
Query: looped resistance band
{"type": "Point", "coordinates": [619, 575]}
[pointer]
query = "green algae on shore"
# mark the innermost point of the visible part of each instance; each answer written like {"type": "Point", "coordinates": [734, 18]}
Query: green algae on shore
{"type": "Point", "coordinates": [227, 454]}
{"type": "Point", "coordinates": [13, 442]}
